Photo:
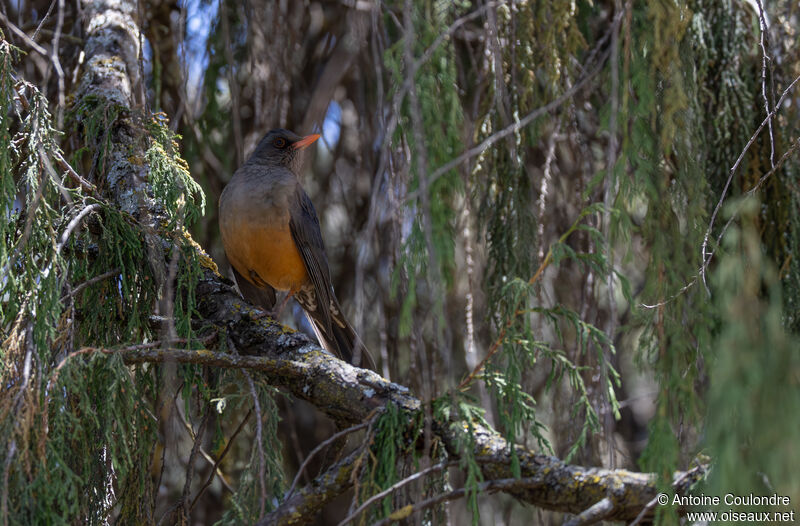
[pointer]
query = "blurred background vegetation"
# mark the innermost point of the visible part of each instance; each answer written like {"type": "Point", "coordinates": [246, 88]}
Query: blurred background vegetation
{"type": "Point", "coordinates": [589, 192]}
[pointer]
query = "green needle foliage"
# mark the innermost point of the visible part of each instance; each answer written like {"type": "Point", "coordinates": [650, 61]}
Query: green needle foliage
{"type": "Point", "coordinates": [753, 364]}
{"type": "Point", "coordinates": [79, 428]}
{"type": "Point", "coordinates": [432, 131]}
{"type": "Point", "coordinates": [666, 172]}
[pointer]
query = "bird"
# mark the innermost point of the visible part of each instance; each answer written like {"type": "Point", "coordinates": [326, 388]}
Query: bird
{"type": "Point", "coordinates": [272, 238]}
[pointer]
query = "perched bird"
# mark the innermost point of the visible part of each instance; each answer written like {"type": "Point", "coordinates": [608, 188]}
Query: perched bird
{"type": "Point", "coordinates": [272, 238]}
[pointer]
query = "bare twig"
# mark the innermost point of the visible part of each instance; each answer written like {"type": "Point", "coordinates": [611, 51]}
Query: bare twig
{"type": "Point", "coordinates": [54, 178]}
{"type": "Point", "coordinates": [90, 282]}
{"type": "Point", "coordinates": [188, 428]}
{"type": "Point", "coordinates": [394, 487]}
{"type": "Point", "coordinates": [24, 36]}
{"type": "Point", "coordinates": [490, 486]}
{"type": "Point", "coordinates": [764, 58]}
{"type": "Point", "coordinates": [215, 471]}
{"type": "Point", "coordinates": [44, 19]}
{"type": "Point", "coordinates": [187, 486]}
{"type": "Point", "coordinates": [62, 101]}
{"type": "Point", "coordinates": [262, 463]}
{"type": "Point", "coordinates": [752, 191]}
{"type": "Point", "coordinates": [333, 438]}
{"type": "Point", "coordinates": [86, 185]}
{"type": "Point", "coordinates": [706, 257]}
{"type": "Point", "coordinates": [755, 188]}
{"type": "Point", "coordinates": [73, 225]}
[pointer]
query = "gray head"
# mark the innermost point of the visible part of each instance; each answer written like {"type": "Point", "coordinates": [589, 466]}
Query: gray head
{"type": "Point", "coordinates": [281, 147]}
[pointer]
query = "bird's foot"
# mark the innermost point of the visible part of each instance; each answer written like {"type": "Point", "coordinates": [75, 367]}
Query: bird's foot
{"type": "Point", "coordinates": [259, 314]}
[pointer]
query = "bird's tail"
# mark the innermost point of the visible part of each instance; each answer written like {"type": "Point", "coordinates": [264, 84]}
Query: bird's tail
{"type": "Point", "coordinates": [341, 339]}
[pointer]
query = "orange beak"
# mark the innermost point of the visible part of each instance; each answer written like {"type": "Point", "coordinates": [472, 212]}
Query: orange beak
{"type": "Point", "coordinates": [305, 141]}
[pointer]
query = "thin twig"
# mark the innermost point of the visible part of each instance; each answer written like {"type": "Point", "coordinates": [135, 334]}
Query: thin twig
{"type": "Point", "coordinates": [215, 471]}
{"type": "Point", "coordinates": [187, 486]}
{"type": "Point", "coordinates": [188, 427]}
{"type": "Point", "coordinates": [44, 19]}
{"type": "Point", "coordinates": [755, 188]}
{"type": "Point", "coordinates": [89, 282]}
{"type": "Point", "coordinates": [487, 486]}
{"type": "Point", "coordinates": [707, 260]}
{"type": "Point", "coordinates": [72, 225]}
{"type": "Point", "coordinates": [62, 101]}
{"type": "Point", "coordinates": [763, 26]}
{"type": "Point", "coordinates": [262, 465]}
{"type": "Point", "coordinates": [319, 448]}
{"type": "Point", "coordinates": [86, 185]}
{"type": "Point", "coordinates": [395, 487]}
{"type": "Point", "coordinates": [24, 36]}
{"type": "Point", "coordinates": [54, 178]}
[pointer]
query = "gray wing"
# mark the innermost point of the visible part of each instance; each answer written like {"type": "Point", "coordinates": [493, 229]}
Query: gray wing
{"type": "Point", "coordinates": [304, 225]}
{"type": "Point", "coordinates": [333, 330]}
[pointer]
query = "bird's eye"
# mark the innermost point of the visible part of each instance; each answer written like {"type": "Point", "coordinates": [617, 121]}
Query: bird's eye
{"type": "Point", "coordinates": [280, 142]}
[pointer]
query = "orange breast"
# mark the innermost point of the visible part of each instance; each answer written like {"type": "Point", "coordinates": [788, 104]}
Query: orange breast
{"type": "Point", "coordinates": [268, 251]}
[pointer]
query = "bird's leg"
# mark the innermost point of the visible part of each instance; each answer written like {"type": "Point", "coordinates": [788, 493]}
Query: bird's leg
{"type": "Point", "coordinates": [276, 312]}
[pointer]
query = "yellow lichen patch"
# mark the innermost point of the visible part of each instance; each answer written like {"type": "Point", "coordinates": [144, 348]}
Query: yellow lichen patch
{"type": "Point", "coordinates": [402, 513]}
{"type": "Point", "coordinates": [205, 259]}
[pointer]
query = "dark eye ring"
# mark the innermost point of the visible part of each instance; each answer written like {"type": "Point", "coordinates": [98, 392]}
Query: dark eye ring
{"type": "Point", "coordinates": [280, 142]}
